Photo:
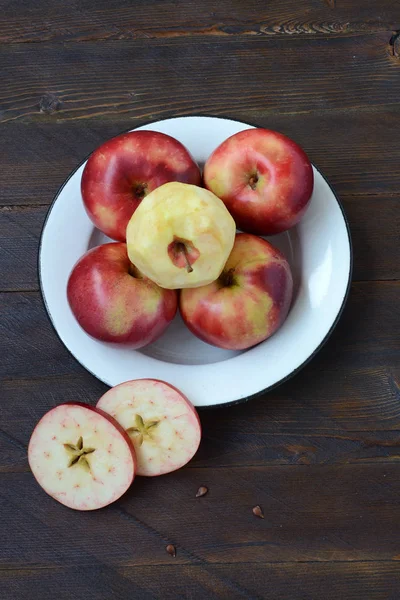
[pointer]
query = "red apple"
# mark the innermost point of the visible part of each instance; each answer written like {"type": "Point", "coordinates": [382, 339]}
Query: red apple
{"type": "Point", "coordinates": [113, 302]}
{"type": "Point", "coordinates": [81, 456]}
{"type": "Point", "coordinates": [163, 425]}
{"type": "Point", "coordinates": [123, 170]}
{"type": "Point", "coordinates": [248, 302]}
{"type": "Point", "coordinates": [264, 178]}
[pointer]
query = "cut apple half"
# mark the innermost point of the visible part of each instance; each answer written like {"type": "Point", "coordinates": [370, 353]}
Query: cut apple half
{"type": "Point", "coordinates": [161, 422]}
{"type": "Point", "coordinates": [81, 457]}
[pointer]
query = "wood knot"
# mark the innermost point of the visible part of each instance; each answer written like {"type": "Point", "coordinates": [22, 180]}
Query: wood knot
{"type": "Point", "coordinates": [49, 103]}
{"type": "Point", "coordinates": [395, 44]}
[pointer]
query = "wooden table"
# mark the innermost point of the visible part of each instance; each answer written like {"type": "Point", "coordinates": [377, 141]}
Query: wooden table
{"type": "Point", "coordinates": [320, 454]}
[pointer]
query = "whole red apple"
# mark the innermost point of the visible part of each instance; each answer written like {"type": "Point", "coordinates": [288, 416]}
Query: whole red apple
{"type": "Point", "coordinates": [123, 170]}
{"type": "Point", "coordinates": [249, 301]}
{"type": "Point", "coordinates": [264, 178]}
{"type": "Point", "coordinates": [113, 302]}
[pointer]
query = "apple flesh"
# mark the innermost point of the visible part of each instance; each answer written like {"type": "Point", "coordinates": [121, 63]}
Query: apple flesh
{"type": "Point", "coordinates": [123, 170]}
{"type": "Point", "coordinates": [81, 457]}
{"type": "Point", "coordinates": [114, 302]}
{"type": "Point", "coordinates": [161, 422]}
{"type": "Point", "coordinates": [264, 178]}
{"type": "Point", "coordinates": [248, 302]}
{"type": "Point", "coordinates": [180, 236]}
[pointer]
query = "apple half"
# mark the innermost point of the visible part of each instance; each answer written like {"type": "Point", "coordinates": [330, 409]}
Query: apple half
{"type": "Point", "coordinates": [161, 422]}
{"type": "Point", "coordinates": [81, 457]}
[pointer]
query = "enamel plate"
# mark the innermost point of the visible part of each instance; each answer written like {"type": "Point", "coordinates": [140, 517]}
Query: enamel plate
{"type": "Point", "coordinates": [318, 250]}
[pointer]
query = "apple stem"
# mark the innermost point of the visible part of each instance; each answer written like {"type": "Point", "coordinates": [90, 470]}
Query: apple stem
{"type": "Point", "coordinates": [253, 181]}
{"type": "Point", "coordinates": [182, 248]}
{"type": "Point", "coordinates": [139, 191]}
{"type": "Point", "coordinates": [227, 278]}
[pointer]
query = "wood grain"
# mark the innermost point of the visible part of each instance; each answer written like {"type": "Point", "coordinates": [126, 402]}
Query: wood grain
{"type": "Point", "coordinates": [367, 334]}
{"type": "Point", "coordinates": [312, 513]}
{"type": "Point", "coordinates": [28, 341]}
{"type": "Point", "coordinates": [20, 229]}
{"type": "Point", "coordinates": [36, 158]}
{"type": "Point", "coordinates": [351, 418]}
{"type": "Point", "coordinates": [342, 409]}
{"type": "Point", "coordinates": [117, 19]}
{"type": "Point", "coordinates": [292, 581]}
{"type": "Point", "coordinates": [153, 79]}
{"type": "Point", "coordinates": [375, 237]}
{"type": "Point", "coordinates": [321, 453]}
{"type": "Point", "coordinates": [374, 223]}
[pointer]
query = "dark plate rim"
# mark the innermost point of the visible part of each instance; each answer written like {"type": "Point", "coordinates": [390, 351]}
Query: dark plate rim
{"type": "Point", "coordinates": [256, 394]}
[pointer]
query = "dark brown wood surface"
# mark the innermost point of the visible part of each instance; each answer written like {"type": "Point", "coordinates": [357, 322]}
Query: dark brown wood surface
{"type": "Point", "coordinates": [321, 453]}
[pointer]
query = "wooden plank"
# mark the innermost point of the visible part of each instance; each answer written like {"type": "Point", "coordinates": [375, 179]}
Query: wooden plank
{"type": "Point", "coordinates": [336, 419]}
{"type": "Point", "coordinates": [269, 581]}
{"type": "Point", "coordinates": [117, 19]}
{"type": "Point", "coordinates": [35, 159]}
{"type": "Point", "coordinates": [151, 78]}
{"type": "Point", "coordinates": [375, 229]}
{"type": "Point", "coordinates": [320, 454]}
{"type": "Point", "coordinates": [366, 337]}
{"type": "Point", "coordinates": [29, 345]}
{"type": "Point", "coordinates": [343, 408]}
{"type": "Point", "coordinates": [312, 513]}
{"type": "Point", "coordinates": [374, 223]}
{"type": "Point", "coordinates": [19, 240]}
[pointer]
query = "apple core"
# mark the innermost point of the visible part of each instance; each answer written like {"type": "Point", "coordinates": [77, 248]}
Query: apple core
{"type": "Point", "coordinates": [183, 254]}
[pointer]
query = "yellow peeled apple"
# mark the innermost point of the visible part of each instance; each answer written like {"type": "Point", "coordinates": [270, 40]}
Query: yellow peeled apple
{"type": "Point", "coordinates": [180, 236]}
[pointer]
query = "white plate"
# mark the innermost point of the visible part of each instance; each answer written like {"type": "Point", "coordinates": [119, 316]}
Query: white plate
{"type": "Point", "coordinates": [318, 249]}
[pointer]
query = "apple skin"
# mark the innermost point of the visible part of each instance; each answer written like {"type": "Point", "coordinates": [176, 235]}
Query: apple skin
{"type": "Point", "coordinates": [265, 179]}
{"type": "Point", "coordinates": [249, 301]}
{"type": "Point", "coordinates": [126, 168]}
{"type": "Point", "coordinates": [113, 302]}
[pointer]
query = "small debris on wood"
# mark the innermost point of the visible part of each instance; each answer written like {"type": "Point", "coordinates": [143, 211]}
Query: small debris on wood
{"type": "Point", "coordinates": [49, 103]}
{"type": "Point", "coordinates": [395, 43]}
{"type": "Point", "coordinates": [171, 550]}
{"type": "Point", "coordinates": [202, 491]}
{"type": "Point", "coordinates": [257, 511]}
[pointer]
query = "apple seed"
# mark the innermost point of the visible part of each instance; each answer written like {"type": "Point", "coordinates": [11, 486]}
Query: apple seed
{"type": "Point", "coordinates": [171, 550]}
{"type": "Point", "coordinates": [257, 511]}
{"type": "Point", "coordinates": [202, 491]}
